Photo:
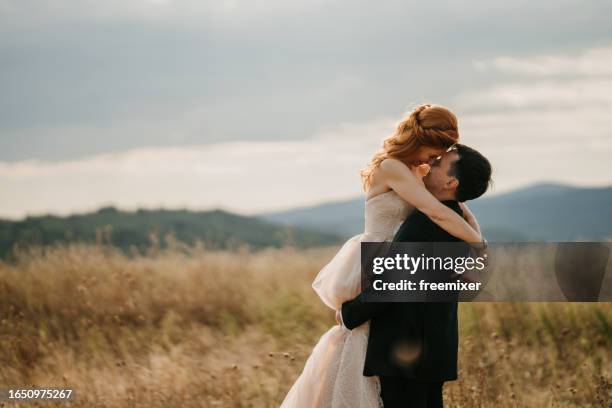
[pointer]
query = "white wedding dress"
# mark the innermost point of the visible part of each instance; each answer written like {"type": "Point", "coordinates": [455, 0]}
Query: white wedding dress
{"type": "Point", "coordinates": [333, 374]}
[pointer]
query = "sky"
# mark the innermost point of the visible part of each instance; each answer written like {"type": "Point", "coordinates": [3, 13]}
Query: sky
{"type": "Point", "coordinates": [268, 105]}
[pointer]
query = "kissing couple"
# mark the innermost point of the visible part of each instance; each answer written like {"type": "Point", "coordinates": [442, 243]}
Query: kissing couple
{"type": "Point", "coordinates": [416, 188]}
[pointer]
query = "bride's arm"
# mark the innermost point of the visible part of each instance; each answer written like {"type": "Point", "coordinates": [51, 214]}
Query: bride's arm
{"type": "Point", "coordinates": [470, 217]}
{"type": "Point", "coordinates": [399, 178]}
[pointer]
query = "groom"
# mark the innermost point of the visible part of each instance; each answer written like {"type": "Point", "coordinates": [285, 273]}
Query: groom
{"type": "Point", "coordinates": [412, 347]}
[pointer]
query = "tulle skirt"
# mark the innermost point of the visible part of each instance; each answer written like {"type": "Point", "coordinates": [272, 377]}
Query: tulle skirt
{"type": "Point", "coordinates": [333, 373]}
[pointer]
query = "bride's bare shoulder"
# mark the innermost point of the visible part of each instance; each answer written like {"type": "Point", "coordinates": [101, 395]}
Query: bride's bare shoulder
{"type": "Point", "coordinates": [390, 165]}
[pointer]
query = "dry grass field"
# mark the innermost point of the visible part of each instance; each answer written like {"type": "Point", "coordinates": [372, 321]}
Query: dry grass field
{"type": "Point", "coordinates": [188, 327]}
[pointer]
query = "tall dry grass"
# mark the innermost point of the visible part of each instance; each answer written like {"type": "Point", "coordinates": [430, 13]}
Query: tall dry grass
{"type": "Point", "coordinates": [195, 328]}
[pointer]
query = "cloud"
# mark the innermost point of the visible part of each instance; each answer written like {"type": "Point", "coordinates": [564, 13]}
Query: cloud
{"type": "Point", "coordinates": [227, 12]}
{"type": "Point", "coordinates": [553, 123]}
{"type": "Point", "coordinates": [590, 62]}
{"type": "Point", "coordinates": [547, 81]}
{"type": "Point", "coordinates": [258, 106]}
{"type": "Point", "coordinates": [72, 69]}
{"type": "Point", "coordinates": [242, 176]}
{"type": "Point", "coordinates": [567, 145]}
{"type": "Point", "coordinates": [545, 94]}
{"type": "Point", "coordinates": [254, 176]}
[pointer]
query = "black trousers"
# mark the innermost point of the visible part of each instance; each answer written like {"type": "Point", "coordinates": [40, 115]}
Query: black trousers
{"type": "Point", "coordinates": [399, 392]}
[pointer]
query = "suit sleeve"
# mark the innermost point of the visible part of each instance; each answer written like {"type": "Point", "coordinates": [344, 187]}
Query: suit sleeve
{"type": "Point", "coordinates": [357, 311]}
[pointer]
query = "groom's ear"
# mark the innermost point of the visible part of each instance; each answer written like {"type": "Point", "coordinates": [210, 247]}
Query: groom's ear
{"type": "Point", "coordinates": [452, 184]}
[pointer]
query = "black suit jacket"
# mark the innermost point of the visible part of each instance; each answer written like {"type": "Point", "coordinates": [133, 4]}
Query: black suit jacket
{"type": "Point", "coordinates": [408, 339]}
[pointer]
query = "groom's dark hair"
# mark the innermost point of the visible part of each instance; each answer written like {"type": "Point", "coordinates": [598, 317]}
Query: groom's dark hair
{"type": "Point", "coordinates": [473, 171]}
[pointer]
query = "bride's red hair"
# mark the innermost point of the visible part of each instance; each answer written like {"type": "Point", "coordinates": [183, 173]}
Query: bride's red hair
{"type": "Point", "coordinates": [426, 125]}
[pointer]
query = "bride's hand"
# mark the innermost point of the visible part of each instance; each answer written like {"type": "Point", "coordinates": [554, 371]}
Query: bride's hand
{"type": "Point", "coordinates": [339, 317]}
{"type": "Point", "coordinates": [420, 171]}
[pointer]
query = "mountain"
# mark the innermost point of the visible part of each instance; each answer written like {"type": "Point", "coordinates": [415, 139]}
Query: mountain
{"type": "Point", "coordinates": [338, 217]}
{"type": "Point", "coordinates": [128, 230]}
{"type": "Point", "coordinates": [549, 212]}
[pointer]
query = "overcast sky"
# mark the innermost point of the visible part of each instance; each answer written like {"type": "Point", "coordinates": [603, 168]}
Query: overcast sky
{"type": "Point", "coordinates": [263, 105]}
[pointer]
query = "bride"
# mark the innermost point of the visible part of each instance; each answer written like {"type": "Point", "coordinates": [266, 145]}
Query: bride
{"type": "Point", "coordinates": [333, 374]}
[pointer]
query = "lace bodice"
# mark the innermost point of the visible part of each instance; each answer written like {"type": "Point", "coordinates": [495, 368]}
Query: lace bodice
{"type": "Point", "coordinates": [384, 214]}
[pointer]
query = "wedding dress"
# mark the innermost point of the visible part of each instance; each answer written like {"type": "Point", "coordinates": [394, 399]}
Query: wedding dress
{"type": "Point", "coordinates": [333, 373]}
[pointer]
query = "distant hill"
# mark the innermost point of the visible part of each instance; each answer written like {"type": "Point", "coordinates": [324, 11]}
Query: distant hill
{"type": "Point", "coordinates": [550, 212]}
{"type": "Point", "coordinates": [216, 228]}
